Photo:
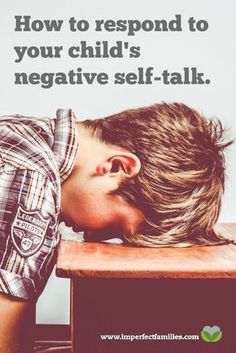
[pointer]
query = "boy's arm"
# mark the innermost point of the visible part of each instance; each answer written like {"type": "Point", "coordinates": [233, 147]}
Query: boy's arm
{"type": "Point", "coordinates": [28, 242]}
{"type": "Point", "coordinates": [13, 317]}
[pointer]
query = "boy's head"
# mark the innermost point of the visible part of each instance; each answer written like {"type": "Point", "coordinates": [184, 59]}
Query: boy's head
{"type": "Point", "coordinates": [165, 163]}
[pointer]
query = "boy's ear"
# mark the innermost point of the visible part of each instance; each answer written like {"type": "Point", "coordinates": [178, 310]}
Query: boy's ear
{"type": "Point", "coordinates": [123, 165]}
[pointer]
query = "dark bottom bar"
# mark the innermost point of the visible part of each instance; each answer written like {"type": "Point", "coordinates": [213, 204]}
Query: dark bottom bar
{"type": "Point", "coordinates": [138, 306]}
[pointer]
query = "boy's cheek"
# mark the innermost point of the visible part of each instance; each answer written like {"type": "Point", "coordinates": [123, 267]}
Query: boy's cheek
{"type": "Point", "coordinates": [100, 235]}
{"type": "Point", "coordinates": [94, 236]}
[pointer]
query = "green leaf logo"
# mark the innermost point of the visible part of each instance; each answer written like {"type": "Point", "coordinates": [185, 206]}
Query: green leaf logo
{"type": "Point", "coordinates": [211, 334]}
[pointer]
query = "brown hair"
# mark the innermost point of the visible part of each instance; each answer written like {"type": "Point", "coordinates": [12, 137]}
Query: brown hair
{"type": "Point", "coordinates": [181, 181]}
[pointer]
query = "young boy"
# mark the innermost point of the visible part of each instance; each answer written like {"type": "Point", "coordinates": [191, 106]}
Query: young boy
{"type": "Point", "coordinates": [153, 176]}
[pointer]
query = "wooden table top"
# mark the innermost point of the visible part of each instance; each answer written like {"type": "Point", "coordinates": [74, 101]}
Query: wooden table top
{"type": "Point", "coordinates": [103, 260]}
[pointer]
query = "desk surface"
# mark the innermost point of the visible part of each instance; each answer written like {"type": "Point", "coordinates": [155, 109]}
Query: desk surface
{"type": "Point", "coordinates": [102, 260]}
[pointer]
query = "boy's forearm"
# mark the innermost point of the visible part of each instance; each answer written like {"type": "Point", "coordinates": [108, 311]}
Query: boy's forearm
{"type": "Point", "coordinates": [13, 317]}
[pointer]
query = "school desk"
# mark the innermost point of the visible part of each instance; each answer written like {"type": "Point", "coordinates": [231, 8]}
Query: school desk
{"type": "Point", "coordinates": [117, 288]}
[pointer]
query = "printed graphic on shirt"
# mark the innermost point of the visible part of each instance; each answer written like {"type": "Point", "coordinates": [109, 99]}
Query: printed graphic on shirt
{"type": "Point", "coordinates": [28, 231]}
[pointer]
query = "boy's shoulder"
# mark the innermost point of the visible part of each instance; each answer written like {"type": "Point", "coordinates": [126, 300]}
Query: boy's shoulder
{"type": "Point", "coordinates": [38, 144]}
{"type": "Point", "coordinates": [26, 142]}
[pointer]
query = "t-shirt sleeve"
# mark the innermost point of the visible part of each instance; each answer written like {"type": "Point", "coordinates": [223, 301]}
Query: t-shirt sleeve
{"type": "Point", "coordinates": [29, 233]}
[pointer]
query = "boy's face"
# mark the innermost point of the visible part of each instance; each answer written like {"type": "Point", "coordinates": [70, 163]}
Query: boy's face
{"type": "Point", "coordinates": [100, 215]}
{"type": "Point", "coordinates": [87, 203]}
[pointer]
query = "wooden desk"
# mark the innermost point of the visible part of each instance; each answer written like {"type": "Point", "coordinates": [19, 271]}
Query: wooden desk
{"type": "Point", "coordinates": [100, 273]}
